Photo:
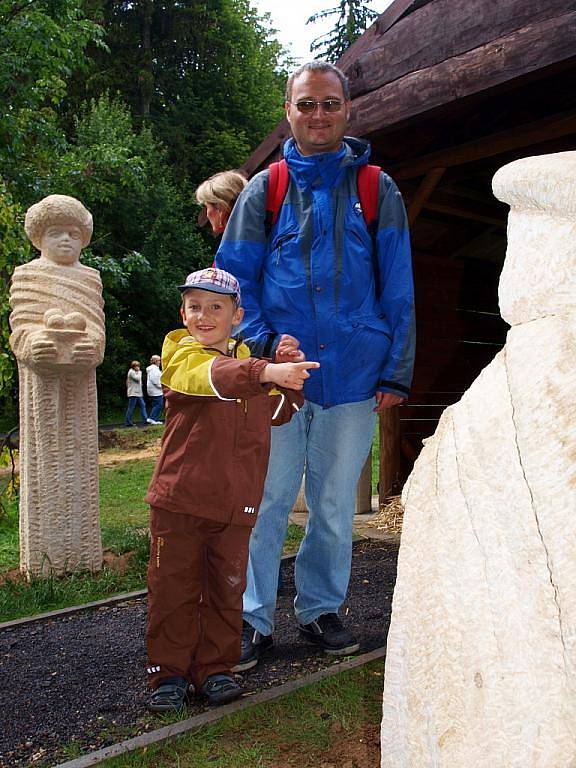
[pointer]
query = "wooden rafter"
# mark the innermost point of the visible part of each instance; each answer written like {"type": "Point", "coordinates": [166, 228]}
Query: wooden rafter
{"type": "Point", "coordinates": [525, 51]}
{"type": "Point", "coordinates": [415, 42]}
{"type": "Point", "coordinates": [428, 185]}
{"type": "Point", "coordinates": [454, 205]}
{"type": "Point", "coordinates": [520, 136]}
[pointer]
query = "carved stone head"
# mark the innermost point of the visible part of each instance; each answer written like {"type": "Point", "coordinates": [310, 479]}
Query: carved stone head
{"type": "Point", "coordinates": [59, 227]}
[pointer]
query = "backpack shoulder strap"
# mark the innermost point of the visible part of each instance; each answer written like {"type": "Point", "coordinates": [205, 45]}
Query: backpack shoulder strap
{"type": "Point", "coordinates": [278, 180]}
{"type": "Point", "coordinates": [368, 188]}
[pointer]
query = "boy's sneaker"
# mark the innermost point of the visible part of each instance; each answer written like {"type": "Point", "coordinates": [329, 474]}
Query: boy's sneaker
{"type": "Point", "coordinates": [170, 695]}
{"type": "Point", "coordinates": [331, 635]}
{"type": "Point", "coordinates": [221, 688]}
{"type": "Point", "coordinates": [253, 645]}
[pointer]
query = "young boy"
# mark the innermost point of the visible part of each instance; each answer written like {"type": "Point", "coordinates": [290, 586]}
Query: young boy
{"type": "Point", "coordinates": [206, 489]}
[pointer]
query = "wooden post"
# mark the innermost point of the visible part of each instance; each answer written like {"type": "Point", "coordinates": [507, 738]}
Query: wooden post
{"type": "Point", "coordinates": [363, 491]}
{"type": "Point", "coordinates": [423, 192]}
{"type": "Point", "coordinates": [389, 450]}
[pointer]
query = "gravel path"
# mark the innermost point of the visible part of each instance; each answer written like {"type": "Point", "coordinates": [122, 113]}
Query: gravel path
{"type": "Point", "coordinates": [77, 683]}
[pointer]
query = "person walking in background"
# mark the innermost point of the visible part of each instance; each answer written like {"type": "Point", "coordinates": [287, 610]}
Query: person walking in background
{"type": "Point", "coordinates": [154, 389]}
{"type": "Point", "coordinates": [134, 392]}
{"type": "Point", "coordinates": [318, 274]}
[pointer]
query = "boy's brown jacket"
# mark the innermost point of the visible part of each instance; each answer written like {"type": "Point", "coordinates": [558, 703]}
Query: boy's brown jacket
{"type": "Point", "coordinates": [216, 443]}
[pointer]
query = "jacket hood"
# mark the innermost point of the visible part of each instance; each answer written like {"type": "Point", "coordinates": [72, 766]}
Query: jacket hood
{"type": "Point", "coordinates": [325, 168]}
{"type": "Point", "coordinates": [179, 339]}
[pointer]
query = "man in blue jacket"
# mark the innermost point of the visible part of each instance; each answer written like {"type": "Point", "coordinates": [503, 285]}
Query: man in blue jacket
{"type": "Point", "coordinates": [313, 278]}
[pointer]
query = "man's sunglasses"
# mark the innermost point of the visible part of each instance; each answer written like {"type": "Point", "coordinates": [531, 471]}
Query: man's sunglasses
{"type": "Point", "coordinates": [308, 106]}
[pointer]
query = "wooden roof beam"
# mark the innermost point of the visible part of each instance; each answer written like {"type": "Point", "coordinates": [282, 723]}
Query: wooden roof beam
{"type": "Point", "coordinates": [525, 51]}
{"type": "Point", "coordinates": [372, 38]}
{"type": "Point", "coordinates": [415, 41]}
{"type": "Point", "coordinates": [454, 205]}
{"type": "Point", "coordinates": [527, 135]}
{"type": "Point", "coordinates": [423, 192]}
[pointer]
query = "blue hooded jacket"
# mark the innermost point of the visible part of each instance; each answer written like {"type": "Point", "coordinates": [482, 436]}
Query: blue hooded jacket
{"type": "Point", "coordinates": [313, 277]}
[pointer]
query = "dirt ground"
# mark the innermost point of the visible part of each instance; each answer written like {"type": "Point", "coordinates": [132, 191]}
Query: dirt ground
{"type": "Point", "coordinates": [357, 750]}
{"type": "Point", "coordinates": [116, 447]}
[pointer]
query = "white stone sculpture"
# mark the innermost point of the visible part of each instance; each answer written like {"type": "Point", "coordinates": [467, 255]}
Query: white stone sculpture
{"type": "Point", "coordinates": [481, 657]}
{"type": "Point", "coordinates": [57, 336]}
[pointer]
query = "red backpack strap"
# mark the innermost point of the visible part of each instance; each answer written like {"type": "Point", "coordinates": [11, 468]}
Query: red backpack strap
{"type": "Point", "coordinates": [368, 188]}
{"type": "Point", "coordinates": [368, 192]}
{"type": "Point", "coordinates": [278, 180]}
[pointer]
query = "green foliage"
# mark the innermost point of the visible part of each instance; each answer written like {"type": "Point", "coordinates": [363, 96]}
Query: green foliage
{"type": "Point", "coordinates": [353, 17]}
{"type": "Point", "coordinates": [14, 250]}
{"type": "Point", "coordinates": [205, 75]}
{"type": "Point", "coordinates": [145, 239]}
{"type": "Point", "coordinates": [127, 106]}
{"type": "Point", "coordinates": [9, 553]}
{"type": "Point", "coordinates": [41, 43]}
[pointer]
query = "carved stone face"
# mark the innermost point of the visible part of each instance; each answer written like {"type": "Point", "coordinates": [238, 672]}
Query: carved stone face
{"type": "Point", "coordinates": [62, 243]}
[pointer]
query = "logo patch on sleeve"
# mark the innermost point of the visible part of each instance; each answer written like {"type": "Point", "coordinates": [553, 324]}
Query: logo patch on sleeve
{"type": "Point", "coordinates": [250, 510]}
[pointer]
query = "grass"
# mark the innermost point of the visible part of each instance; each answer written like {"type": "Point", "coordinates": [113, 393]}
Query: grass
{"type": "Point", "coordinates": [124, 525]}
{"type": "Point", "coordinates": [124, 522]}
{"type": "Point", "coordinates": [297, 730]}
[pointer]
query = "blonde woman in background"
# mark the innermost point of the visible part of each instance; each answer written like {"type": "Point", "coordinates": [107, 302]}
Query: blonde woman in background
{"type": "Point", "coordinates": [218, 195]}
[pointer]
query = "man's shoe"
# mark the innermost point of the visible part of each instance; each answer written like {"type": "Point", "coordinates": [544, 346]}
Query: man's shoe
{"type": "Point", "coordinates": [150, 421]}
{"type": "Point", "coordinates": [220, 689]}
{"type": "Point", "coordinates": [253, 645]}
{"type": "Point", "coordinates": [170, 695]}
{"type": "Point", "coordinates": [329, 633]}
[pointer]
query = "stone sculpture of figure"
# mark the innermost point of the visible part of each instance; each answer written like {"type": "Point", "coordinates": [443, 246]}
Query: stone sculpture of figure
{"type": "Point", "coordinates": [57, 336]}
{"type": "Point", "coordinates": [481, 658]}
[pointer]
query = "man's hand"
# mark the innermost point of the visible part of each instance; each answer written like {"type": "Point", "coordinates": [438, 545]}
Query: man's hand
{"type": "Point", "coordinates": [289, 375]}
{"type": "Point", "coordinates": [386, 400]}
{"type": "Point", "coordinates": [288, 350]}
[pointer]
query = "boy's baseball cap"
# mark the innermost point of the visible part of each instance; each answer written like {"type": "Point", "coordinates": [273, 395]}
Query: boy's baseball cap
{"type": "Point", "coordinates": [215, 280]}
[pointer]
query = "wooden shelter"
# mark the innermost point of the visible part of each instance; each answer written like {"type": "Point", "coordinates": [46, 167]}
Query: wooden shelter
{"type": "Point", "coordinates": [448, 91]}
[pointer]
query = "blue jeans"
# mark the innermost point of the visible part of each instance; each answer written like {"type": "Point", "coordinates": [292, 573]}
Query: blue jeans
{"type": "Point", "coordinates": [130, 410]}
{"type": "Point", "coordinates": [331, 445]}
{"type": "Point", "coordinates": [157, 403]}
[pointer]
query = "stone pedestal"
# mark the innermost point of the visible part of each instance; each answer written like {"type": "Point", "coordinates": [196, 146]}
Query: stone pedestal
{"type": "Point", "coordinates": [481, 661]}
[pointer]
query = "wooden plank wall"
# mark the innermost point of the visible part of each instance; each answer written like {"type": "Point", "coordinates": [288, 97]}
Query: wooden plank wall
{"type": "Point", "coordinates": [459, 331]}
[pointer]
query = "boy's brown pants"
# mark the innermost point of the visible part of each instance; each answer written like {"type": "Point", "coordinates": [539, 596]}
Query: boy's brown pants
{"type": "Point", "coordinates": [196, 579]}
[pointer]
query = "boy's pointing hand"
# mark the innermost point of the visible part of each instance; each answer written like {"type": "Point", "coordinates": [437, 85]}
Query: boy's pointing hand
{"type": "Point", "coordinates": [289, 375]}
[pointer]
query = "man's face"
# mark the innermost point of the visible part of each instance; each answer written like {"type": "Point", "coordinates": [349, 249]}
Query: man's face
{"type": "Point", "coordinates": [210, 317]}
{"type": "Point", "coordinates": [61, 243]}
{"type": "Point", "coordinates": [320, 131]}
